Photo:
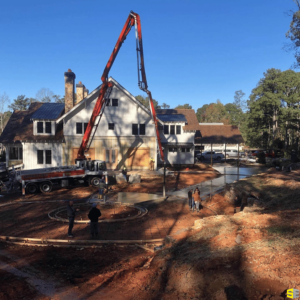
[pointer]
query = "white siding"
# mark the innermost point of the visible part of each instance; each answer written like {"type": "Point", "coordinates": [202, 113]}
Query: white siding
{"type": "Point", "coordinates": [177, 158]}
{"type": "Point", "coordinates": [123, 116]}
{"type": "Point", "coordinates": [30, 154]}
{"type": "Point", "coordinates": [184, 137]}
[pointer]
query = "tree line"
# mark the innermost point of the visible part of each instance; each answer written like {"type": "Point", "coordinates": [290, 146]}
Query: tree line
{"type": "Point", "coordinates": [22, 103]}
{"type": "Point", "coordinates": [270, 118]}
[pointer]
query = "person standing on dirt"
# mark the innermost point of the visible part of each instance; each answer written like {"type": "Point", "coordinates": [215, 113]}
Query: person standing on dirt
{"type": "Point", "coordinates": [190, 197]}
{"type": "Point", "coordinates": [244, 201]}
{"type": "Point", "coordinates": [71, 215]}
{"type": "Point", "coordinates": [197, 198]}
{"type": "Point", "coordinates": [94, 215]}
{"type": "Point", "coordinates": [151, 164]}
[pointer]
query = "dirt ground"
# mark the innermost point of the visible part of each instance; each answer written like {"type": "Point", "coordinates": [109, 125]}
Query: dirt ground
{"type": "Point", "coordinates": [150, 183]}
{"type": "Point", "coordinates": [248, 255]}
{"type": "Point", "coordinates": [163, 218]}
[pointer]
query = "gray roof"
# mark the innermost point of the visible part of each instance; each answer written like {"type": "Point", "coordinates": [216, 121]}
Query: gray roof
{"type": "Point", "coordinates": [171, 118]}
{"type": "Point", "coordinates": [49, 111]}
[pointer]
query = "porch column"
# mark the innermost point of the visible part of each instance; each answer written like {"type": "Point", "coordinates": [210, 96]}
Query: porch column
{"type": "Point", "coordinates": [238, 156]}
{"type": "Point", "coordinates": [211, 158]}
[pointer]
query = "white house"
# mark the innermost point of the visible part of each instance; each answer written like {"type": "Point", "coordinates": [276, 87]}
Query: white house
{"type": "Point", "coordinates": [50, 134]}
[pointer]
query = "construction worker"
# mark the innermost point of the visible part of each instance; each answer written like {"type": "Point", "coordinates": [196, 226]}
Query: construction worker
{"type": "Point", "coordinates": [71, 215]}
{"type": "Point", "coordinates": [244, 201]}
{"type": "Point", "coordinates": [190, 198]}
{"type": "Point", "coordinates": [94, 215]}
{"type": "Point", "coordinates": [197, 198]}
{"type": "Point", "coordinates": [124, 172]}
{"type": "Point", "coordinates": [151, 164]}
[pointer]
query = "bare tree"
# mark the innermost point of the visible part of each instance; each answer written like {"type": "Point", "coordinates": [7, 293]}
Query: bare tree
{"type": "Point", "coordinates": [297, 2]}
{"type": "Point", "coordinates": [44, 95]}
{"type": "Point", "coordinates": [4, 101]}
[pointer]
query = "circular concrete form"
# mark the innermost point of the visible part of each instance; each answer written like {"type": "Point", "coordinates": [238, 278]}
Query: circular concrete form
{"type": "Point", "coordinates": [138, 211]}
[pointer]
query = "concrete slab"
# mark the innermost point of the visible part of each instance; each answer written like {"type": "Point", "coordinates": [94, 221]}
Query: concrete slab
{"type": "Point", "coordinates": [134, 198]}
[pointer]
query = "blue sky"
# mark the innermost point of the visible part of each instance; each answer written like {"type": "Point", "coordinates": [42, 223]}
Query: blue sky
{"type": "Point", "coordinates": [195, 51]}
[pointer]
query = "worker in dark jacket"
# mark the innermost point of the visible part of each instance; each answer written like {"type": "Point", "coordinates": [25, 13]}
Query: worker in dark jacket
{"type": "Point", "coordinates": [190, 197]}
{"type": "Point", "coordinates": [94, 215]}
{"type": "Point", "coordinates": [71, 215]}
{"type": "Point", "coordinates": [244, 201]}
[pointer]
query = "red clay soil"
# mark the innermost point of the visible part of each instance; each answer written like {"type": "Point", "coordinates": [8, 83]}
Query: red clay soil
{"type": "Point", "coordinates": [15, 287]}
{"type": "Point", "coordinates": [247, 255]}
{"type": "Point", "coordinates": [205, 262]}
{"type": "Point", "coordinates": [162, 219]}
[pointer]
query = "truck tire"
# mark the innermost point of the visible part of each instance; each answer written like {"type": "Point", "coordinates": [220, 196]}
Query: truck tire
{"type": "Point", "coordinates": [46, 187]}
{"type": "Point", "coordinates": [95, 181]}
{"type": "Point", "coordinates": [31, 188]}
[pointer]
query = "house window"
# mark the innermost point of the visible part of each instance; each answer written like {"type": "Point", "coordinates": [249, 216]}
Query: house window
{"type": "Point", "coordinates": [178, 129]}
{"type": "Point", "coordinates": [85, 126]}
{"type": "Point", "coordinates": [107, 156]}
{"type": "Point", "coordinates": [142, 129]}
{"type": "Point", "coordinates": [113, 156]}
{"type": "Point", "coordinates": [182, 149]}
{"type": "Point", "coordinates": [40, 127]}
{"type": "Point", "coordinates": [135, 129]}
{"type": "Point", "coordinates": [166, 129]}
{"type": "Point", "coordinates": [78, 128]}
{"type": "Point", "coordinates": [114, 102]}
{"type": "Point", "coordinates": [111, 126]}
{"type": "Point", "coordinates": [40, 157]}
{"type": "Point", "coordinates": [172, 129]}
{"type": "Point", "coordinates": [172, 149]}
{"type": "Point", "coordinates": [48, 127]}
{"type": "Point", "coordinates": [15, 153]}
{"type": "Point", "coordinates": [48, 156]}
{"type": "Point", "coordinates": [188, 150]}
{"type": "Point", "coordinates": [160, 127]}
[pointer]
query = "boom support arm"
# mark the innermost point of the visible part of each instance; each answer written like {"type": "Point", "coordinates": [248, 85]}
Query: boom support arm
{"type": "Point", "coordinates": [132, 20]}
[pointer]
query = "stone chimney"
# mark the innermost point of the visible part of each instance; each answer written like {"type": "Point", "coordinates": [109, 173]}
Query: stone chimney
{"type": "Point", "coordinates": [69, 90]}
{"type": "Point", "coordinates": [85, 92]}
{"type": "Point", "coordinates": [79, 92]}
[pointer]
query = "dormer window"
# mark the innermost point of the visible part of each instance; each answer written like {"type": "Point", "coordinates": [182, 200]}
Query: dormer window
{"type": "Point", "coordinates": [48, 127]}
{"type": "Point", "coordinates": [43, 128]}
{"type": "Point", "coordinates": [40, 127]}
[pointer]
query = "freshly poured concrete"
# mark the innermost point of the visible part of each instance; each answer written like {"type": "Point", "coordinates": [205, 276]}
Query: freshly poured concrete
{"type": "Point", "coordinates": [212, 186]}
{"type": "Point", "coordinates": [133, 198]}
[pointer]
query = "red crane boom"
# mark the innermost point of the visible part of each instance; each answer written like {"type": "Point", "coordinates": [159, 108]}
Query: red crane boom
{"type": "Point", "coordinates": [132, 20]}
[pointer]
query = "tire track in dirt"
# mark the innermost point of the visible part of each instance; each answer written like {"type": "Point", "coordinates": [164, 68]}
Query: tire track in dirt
{"type": "Point", "coordinates": [44, 287]}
